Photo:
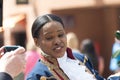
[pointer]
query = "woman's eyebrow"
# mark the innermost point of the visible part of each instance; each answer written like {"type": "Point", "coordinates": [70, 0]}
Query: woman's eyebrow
{"type": "Point", "coordinates": [59, 30]}
{"type": "Point", "coordinates": [51, 32]}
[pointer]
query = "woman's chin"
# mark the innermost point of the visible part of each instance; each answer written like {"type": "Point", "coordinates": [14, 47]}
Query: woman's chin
{"type": "Point", "coordinates": [59, 56]}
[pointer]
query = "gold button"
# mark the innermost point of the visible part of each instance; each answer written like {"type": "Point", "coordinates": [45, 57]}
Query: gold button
{"type": "Point", "coordinates": [86, 70]}
{"type": "Point", "coordinates": [43, 78]}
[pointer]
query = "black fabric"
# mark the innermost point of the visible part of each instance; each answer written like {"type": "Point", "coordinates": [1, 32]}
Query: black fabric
{"type": "Point", "coordinates": [5, 76]}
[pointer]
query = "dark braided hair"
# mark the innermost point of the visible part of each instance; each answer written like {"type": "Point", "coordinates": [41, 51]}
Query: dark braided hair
{"type": "Point", "coordinates": [41, 21]}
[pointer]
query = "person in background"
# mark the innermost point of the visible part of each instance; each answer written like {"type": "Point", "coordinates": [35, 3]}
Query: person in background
{"type": "Point", "coordinates": [114, 67]}
{"type": "Point", "coordinates": [88, 48]}
{"type": "Point", "coordinates": [116, 75]}
{"type": "Point", "coordinates": [32, 56]}
{"type": "Point", "coordinates": [57, 62]}
{"type": "Point", "coordinates": [11, 63]}
{"type": "Point", "coordinates": [100, 58]}
{"type": "Point", "coordinates": [115, 58]}
{"type": "Point", "coordinates": [73, 42]}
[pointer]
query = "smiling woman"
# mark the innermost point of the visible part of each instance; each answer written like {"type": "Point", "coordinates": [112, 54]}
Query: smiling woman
{"type": "Point", "coordinates": [56, 59]}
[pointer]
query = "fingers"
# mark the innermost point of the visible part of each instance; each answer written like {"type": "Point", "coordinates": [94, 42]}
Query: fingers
{"type": "Point", "coordinates": [13, 62]}
{"type": "Point", "coordinates": [1, 51]}
{"type": "Point", "coordinates": [19, 50]}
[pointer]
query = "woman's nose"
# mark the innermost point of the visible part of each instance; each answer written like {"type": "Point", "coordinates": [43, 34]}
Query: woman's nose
{"type": "Point", "coordinates": [57, 41]}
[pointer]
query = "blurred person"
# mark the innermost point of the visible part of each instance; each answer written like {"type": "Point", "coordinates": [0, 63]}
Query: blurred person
{"type": "Point", "coordinates": [100, 58]}
{"type": "Point", "coordinates": [32, 56]}
{"type": "Point", "coordinates": [57, 62]}
{"type": "Point", "coordinates": [11, 63]}
{"type": "Point", "coordinates": [87, 47]}
{"type": "Point", "coordinates": [114, 67]}
{"type": "Point", "coordinates": [116, 75]}
{"type": "Point", "coordinates": [73, 42]}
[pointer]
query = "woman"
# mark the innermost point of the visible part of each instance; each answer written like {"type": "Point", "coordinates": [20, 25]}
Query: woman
{"type": "Point", "coordinates": [57, 62]}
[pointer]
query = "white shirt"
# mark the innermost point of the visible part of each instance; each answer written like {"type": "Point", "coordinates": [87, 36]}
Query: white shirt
{"type": "Point", "coordinates": [73, 70]}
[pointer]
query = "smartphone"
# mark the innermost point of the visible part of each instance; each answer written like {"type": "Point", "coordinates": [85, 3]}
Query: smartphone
{"type": "Point", "coordinates": [10, 48]}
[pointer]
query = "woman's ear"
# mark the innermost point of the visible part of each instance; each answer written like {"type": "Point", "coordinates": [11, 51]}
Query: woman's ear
{"type": "Point", "coordinates": [36, 41]}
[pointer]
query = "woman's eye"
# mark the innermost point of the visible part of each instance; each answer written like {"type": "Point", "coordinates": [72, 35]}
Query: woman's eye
{"type": "Point", "coordinates": [61, 35]}
{"type": "Point", "coordinates": [49, 38]}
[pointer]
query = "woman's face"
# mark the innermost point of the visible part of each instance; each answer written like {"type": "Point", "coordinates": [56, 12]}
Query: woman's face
{"type": "Point", "coordinates": [52, 39]}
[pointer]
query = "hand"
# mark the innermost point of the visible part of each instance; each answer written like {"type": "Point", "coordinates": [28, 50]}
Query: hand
{"type": "Point", "coordinates": [12, 62]}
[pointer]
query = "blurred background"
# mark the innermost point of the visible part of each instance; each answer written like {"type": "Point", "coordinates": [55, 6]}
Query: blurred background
{"type": "Point", "coordinates": [94, 19]}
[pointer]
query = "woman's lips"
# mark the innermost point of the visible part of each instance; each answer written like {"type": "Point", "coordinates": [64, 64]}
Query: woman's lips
{"type": "Point", "coordinates": [58, 49]}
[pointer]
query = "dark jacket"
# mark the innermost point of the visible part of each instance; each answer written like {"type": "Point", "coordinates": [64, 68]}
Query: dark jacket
{"type": "Point", "coordinates": [5, 76]}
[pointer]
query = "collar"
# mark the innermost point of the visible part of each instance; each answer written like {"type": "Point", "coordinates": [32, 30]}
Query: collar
{"type": "Point", "coordinates": [51, 59]}
{"type": "Point", "coordinates": [64, 58]}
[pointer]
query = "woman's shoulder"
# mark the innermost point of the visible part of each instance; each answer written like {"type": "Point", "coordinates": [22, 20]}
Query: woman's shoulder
{"type": "Point", "coordinates": [38, 70]}
{"type": "Point", "coordinates": [79, 55]}
{"type": "Point", "coordinates": [39, 66]}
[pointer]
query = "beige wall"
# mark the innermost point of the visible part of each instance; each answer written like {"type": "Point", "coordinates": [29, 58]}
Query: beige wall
{"type": "Point", "coordinates": [10, 8]}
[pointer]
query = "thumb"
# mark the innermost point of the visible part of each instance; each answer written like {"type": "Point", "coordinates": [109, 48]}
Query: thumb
{"type": "Point", "coordinates": [19, 50]}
